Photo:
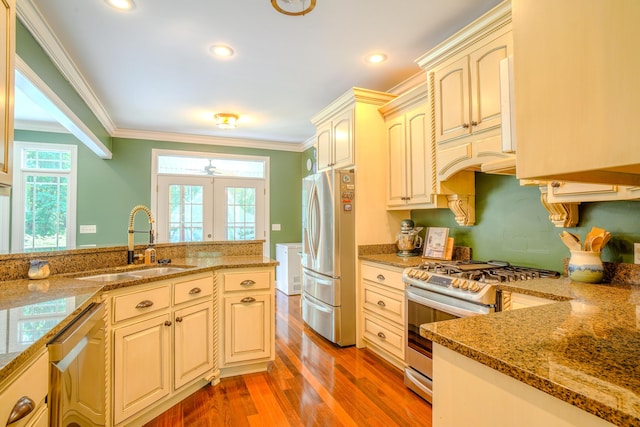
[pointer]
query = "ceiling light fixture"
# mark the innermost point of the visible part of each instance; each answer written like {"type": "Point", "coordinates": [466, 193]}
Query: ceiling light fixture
{"type": "Point", "coordinates": [376, 58]}
{"type": "Point", "coordinates": [293, 7]}
{"type": "Point", "coordinates": [226, 120]}
{"type": "Point", "coordinates": [121, 4]}
{"type": "Point", "coordinates": [221, 50]}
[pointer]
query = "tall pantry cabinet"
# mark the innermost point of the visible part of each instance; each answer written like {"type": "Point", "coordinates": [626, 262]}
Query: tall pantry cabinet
{"type": "Point", "coordinates": [7, 55]}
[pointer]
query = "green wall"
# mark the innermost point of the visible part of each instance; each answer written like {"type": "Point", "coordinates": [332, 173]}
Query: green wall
{"type": "Point", "coordinates": [28, 49]}
{"type": "Point", "coordinates": [109, 189]}
{"type": "Point", "coordinates": [512, 225]}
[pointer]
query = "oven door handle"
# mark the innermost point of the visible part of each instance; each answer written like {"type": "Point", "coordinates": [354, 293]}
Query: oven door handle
{"type": "Point", "coordinates": [447, 308]}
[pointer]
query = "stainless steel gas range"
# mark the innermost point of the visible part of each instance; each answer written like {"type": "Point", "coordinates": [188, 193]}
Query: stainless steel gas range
{"type": "Point", "coordinates": [437, 291]}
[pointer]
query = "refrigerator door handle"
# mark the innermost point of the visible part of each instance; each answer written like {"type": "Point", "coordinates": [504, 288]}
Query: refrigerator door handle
{"type": "Point", "coordinates": [316, 305]}
{"type": "Point", "coordinates": [314, 222]}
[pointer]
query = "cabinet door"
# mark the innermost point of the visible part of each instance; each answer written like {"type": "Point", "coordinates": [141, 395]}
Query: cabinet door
{"type": "Point", "coordinates": [343, 148]}
{"type": "Point", "coordinates": [324, 151]}
{"type": "Point", "coordinates": [397, 171]}
{"type": "Point", "coordinates": [7, 41]}
{"type": "Point", "coordinates": [193, 343]}
{"type": "Point", "coordinates": [247, 328]}
{"type": "Point", "coordinates": [419, 157]}
{"type": "Point", "coordinates": [141, 365]}
{"type": "Point", "coordinates": [484, 66]}
{"type": "Point", "coordinates": [452, 100]}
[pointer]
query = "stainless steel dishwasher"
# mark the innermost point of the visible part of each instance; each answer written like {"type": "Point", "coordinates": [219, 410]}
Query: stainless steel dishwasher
{"type": "Point", "coordinates": [77, 371]}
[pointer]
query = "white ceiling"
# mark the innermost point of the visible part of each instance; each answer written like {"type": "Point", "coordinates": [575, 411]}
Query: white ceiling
{"type": "Point", "coordinates": [149, 71]}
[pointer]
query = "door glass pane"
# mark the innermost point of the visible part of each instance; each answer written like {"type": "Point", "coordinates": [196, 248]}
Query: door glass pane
{"type": "Point", "coordinates": [240, 221]}
{"type": "Point", "coordinates": [45, 208]}
{"type": "Point", "coordinates": [186, 213]}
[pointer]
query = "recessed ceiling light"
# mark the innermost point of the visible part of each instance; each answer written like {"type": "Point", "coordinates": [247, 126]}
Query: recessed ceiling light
{"type": "Point", "coordinates": [221, 50]}
{"type": "Point", "coordinates": [376, 58]}
{"type": "Point", "coordinates": [121, 4]}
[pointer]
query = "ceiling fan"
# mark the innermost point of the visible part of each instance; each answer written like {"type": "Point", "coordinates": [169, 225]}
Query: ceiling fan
{"type": "Point", "coordinates": [211, 170]}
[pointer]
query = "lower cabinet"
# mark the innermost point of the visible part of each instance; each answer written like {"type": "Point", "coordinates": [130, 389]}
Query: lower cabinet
{"type": "Point", "coordinates": [247, 299]}
{"type": "Point", "coordinates": [516, 301]}
{"type": "Point", "coordinates": [162, 339]}
{"type": "Point", "coordinates": [27, 388]}
{"type": "Point", "coordinates": [382, 317]}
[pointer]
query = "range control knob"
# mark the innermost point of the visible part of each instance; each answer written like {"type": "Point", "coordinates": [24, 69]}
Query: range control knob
{"type": "Point", "coordinates": [474, 287]}
{"type": "Point", "coordinates": [411, 273]}
{"type": "Point", "coordinates": [465, 285]}
{"type": "Point", "coordinates": [455, 283]}
{"type": "Point", "coordinates": [424, 275]}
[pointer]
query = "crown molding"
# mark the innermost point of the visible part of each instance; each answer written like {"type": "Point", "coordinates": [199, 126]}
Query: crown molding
{"type": "Point", "coordinates": [39, 126]}
{"type": "Point", "coordinates": [31, 17]}
{"type": "Point", "coordinates": [210, 140]}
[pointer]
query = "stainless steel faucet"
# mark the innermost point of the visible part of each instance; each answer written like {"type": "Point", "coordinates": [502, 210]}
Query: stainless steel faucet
{"type": "Point", "coordinates": [130, 255]}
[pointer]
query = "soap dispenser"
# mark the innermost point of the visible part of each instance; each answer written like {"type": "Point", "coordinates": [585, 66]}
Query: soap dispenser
{"type": "Point", "coordinates": [150, 255]}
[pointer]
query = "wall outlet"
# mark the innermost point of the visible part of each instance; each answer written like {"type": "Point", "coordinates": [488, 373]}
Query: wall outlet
{"type": "Point", "coordinates": [275, 227]}
{"type": "Point", "coordinates": [636, 253]}
{"type": "Point", "coordinates": [87, 229]}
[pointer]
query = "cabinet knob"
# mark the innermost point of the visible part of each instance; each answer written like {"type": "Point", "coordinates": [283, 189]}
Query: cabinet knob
{"type": "Point", "coordinates": [248, 300]}
{"type": "Point", "coordinates": [247, 283]}
{"type": "Point", "coordinates": [382, 335]}
{"type": "Point", "coordinates": [23, 407]}
{"type": "Point", "coordinates": [381, 277]}
{"type": "Point", "coordinates": [178, 319]}
{"type": "Point", "coordinates": [167, 323]}
{"type": "Point", "coordinates": [195, 291]}
{"type": "Point", "coordinates": [144, 304]}
{"type": "Point", "coordinates": [381, 303]}
{"type": "Point", "coordinates": [556, 184]}
{"type": "Point", "coordinates": [465, 125]}
{"type": "Point", "coordinates": [474, 123]}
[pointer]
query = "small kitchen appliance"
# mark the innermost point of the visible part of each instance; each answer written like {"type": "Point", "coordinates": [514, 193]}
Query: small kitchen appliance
{"type": "Point", "coordinates": [437, 291]}
{"type": "Point", "coordinates": [408, 241]}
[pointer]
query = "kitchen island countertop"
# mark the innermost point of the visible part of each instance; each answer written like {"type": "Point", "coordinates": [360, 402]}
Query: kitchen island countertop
{"type": "Point", "coordinates": [583, 349]}
{"type": "Point", "coordinates": [25, 296]}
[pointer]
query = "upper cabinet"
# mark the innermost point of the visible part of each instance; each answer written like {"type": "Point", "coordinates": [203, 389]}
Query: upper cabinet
{"type": "Point", "coordinates": [577, 90]}
{"type": "Point", "coordinates": [410, 170]}
{"type": "Point", "coordinates": [336, 124]}
{"type": "Point", "coordinates": [7, 44]}
{"type": "Point", "coordinates": [465, 87]}
{"type": "Point", "coordinates": [334, 141]}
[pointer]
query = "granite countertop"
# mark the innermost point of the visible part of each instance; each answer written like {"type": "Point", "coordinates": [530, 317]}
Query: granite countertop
{"type": "Point", "coordinates": [68, 295]}
{"type": "Point", "coordinates": [583, 349]}
{"type": "Point", "coordinates": [393, 260]}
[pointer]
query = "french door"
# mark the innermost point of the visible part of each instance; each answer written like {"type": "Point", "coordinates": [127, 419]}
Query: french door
{"type": "Point", "coordinates": [204, 208]}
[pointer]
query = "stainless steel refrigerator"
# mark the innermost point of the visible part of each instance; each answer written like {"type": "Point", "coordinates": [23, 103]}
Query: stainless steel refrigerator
{"type": "Point", "coordinates": [328, 255]}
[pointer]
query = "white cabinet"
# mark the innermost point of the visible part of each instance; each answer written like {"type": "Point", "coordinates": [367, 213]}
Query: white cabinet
{"type": "Point", "coordinates": [7, 42]}
{"type": "Point", "coordinates": [162, 337]}
{"type": "Point", "coordinates": [516, 300]}
{"type": "Point", "coordinates": [27, 388]}
{"type": "Point", "coordinates": [576, 192]}
{"type": "Point", "coordinates": [382, 312]}
{"type": "Point", "coordinates": [410, 169]}
{"type": "Point", "coordinates": [464, 75]}
{"type": "Point", "coordinates": [334, 141]}
{"type": "Point", "coordinates": [577, 90]}
{"type": "Point", "coordinates": [248, 319]}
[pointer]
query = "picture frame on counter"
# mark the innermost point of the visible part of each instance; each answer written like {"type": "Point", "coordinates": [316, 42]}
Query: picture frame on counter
{"type": "Point", "coordinates": [435, 245]}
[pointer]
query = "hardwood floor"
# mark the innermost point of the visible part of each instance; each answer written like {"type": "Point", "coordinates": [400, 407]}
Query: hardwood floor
{"type": "Point", "coordinates": [311, 382]}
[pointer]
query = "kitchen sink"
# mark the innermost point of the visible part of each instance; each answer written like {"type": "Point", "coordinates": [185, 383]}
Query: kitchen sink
{"type": "Point", "coordinates": [157, 271]}
{"type": "Point", "coordinates": [134, 274]}
{"type": "Point", "coordinates": [109, 277]}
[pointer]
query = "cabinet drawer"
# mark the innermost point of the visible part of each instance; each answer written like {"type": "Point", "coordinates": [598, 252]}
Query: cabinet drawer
{"type": "Point", "coordinates": [384, 335]}
{"type": "Point", "coordinates": [193, 289]}
{"type": "Point", "coordinates": [32, 383]}
{"type": "Point", "coordinates": [138, 303]}
{"type": "Point", "coordinates": [247, 281]}
{"type": "Point", "coordinates": [386, 303]}
{"type": "Point", "coordinates": [382, 276]}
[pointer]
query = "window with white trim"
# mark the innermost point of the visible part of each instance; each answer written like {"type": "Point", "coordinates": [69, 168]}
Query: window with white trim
{"type": "Point", "coordinates": [44, 197]}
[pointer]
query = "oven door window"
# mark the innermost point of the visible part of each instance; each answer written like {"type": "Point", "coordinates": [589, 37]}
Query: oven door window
{"type": "Point", "coordinates": [418, 314]}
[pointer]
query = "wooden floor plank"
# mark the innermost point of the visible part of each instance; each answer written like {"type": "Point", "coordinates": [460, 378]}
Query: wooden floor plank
{"type": "Point", "coordinates": [311, 382]}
